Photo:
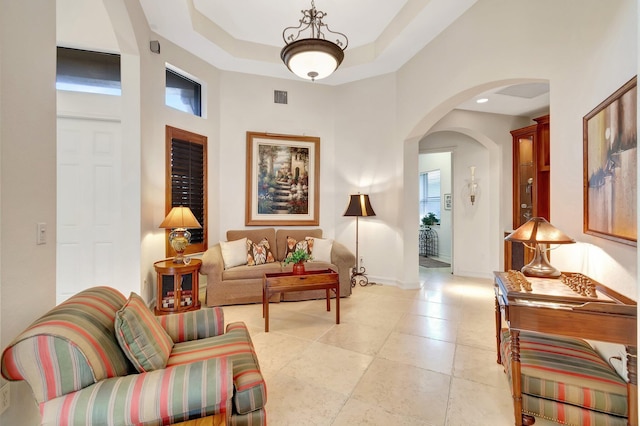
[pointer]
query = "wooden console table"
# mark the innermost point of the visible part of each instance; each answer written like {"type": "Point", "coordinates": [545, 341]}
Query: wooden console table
{"type": "Point", "coordinates": [573, 305]}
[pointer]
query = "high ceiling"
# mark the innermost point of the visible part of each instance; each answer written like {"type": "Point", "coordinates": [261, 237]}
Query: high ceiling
{"type": "Point", "coordinates": [246, 36]}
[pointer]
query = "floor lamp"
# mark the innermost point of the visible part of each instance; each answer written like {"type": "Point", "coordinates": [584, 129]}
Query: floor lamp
{"type": "Point", "coordinates": [359, 206]}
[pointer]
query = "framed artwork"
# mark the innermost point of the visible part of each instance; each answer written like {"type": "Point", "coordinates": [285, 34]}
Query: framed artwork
{"type": "Point", "coordinates": [610, 167]}
{"type": "Point", "coordinates": [283, 180]}
{"type": "Point", "coordinates": [448, 201]}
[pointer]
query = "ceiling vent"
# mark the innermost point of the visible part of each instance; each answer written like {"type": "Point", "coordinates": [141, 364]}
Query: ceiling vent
{"type": "Point", "coordinates": [280, 97]}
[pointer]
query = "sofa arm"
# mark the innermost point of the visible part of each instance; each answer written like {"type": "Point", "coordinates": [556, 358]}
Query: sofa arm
{"type": "Point", "coordinates": [170, 395]}
{"type": "Point", "coordinates": [342, 257]}
{"type": "Point", "coordinates": [193, 325]}
{"type": "Point", "coordinates": [212, 263]}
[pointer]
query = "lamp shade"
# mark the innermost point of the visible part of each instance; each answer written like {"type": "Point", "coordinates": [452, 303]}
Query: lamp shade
{"type": "Point", "coordinates": [359, 205]}
{"type": "Point", "coordinates": [180, 217]}
{"type": "Point", "coordinates": [538, 230]}
{"type": "Point", "coordinates": [312, 59]}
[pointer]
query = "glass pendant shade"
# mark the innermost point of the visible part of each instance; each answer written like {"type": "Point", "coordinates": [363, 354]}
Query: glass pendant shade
{"type": "Point", "coordinates": [312, 59]}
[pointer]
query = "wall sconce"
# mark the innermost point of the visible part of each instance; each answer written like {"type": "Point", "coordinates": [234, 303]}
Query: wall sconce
{"type": "Point", "coordinates": [472, 190]}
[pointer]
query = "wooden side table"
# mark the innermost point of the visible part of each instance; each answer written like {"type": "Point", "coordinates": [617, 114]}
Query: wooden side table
{"type": "Point", "coordinates": [177, 286]}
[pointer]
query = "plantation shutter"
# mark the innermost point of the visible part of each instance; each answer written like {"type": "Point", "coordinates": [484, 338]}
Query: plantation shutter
{"type": "Point", "coordinates": [187, 181]}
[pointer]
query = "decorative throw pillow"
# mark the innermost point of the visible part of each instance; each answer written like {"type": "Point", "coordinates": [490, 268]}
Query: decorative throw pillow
{"type": "Point", "coordinates": [259, 254]}
{"type": "Point", "coordinates": [141, 337]}
{"type": "Point", "coordinates": [293, 245]}
{"type": "Point", "coordinates": [234, 253]}
{"type": "Point", "coordinates": [320, 249]}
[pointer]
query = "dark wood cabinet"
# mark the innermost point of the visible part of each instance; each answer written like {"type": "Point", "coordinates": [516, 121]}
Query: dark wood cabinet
{"type": "Point", "coordinates": [531, 180]}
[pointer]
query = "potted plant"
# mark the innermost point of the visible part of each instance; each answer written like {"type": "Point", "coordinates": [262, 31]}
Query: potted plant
{"type": "Point", "coordinates": [430, 219]}
{"type": "Point", "coordinates": [298, 258]}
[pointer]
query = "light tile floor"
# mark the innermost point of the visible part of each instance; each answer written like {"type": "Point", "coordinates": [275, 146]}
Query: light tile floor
{"type": "Point", "coordinates": [399, 357]}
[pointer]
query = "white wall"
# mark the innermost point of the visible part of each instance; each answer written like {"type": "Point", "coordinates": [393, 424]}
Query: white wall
{"type": "Point", "coordinates": [574, 52]}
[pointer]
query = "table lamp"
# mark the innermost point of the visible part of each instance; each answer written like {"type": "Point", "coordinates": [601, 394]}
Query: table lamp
{"type": "Point", "coordinates": [535, 233]}
{"type": "Point", "coordinates": [359, 206]}
{"type": "Point", "coordinates": [179, 219]}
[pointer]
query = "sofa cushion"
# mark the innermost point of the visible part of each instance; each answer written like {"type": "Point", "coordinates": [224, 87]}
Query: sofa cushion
{"type": "Point", "coordinates": [245, 272]}
{"type": "Point", "coordinates": [320, 249]}
{"type": "Point", "coordinates": [141, 337]}
{"type": "Point", "coordinates": [250, 388]}
{"type": "Point", "coordinates": [567, 370]}
{"type": "Point", "coordinates": [296, 234]}
{"type": "Point", "coordinates": [253, 235]}
{"type": "Point", "coordinates": [293, 245]}
{"type": "Point", "coordinates": [234, 253]}
{"type": "Point", "coordinates": [259, 253]}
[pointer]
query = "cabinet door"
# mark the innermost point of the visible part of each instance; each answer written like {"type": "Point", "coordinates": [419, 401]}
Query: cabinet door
{"type": "Point", "coordinates": [524, 174]}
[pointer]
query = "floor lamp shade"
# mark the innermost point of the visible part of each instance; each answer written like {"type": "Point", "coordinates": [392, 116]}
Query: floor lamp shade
{"type": "Point", "coordinates": [359, 205]}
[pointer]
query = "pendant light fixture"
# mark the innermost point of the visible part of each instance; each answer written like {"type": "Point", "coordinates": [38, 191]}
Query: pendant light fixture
{"type": "Point", "coordinates": [307, 52]}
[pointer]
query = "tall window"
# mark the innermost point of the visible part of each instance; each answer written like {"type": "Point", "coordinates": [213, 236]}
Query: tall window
{"type": "Point", "coordinates": [87, 71]}
{"type": "Point", "coordinates": [186, 181]}
{"type": "Point", "coordinates": [430, 193]}
{"type": "Point", "coordinates": [183, 93]}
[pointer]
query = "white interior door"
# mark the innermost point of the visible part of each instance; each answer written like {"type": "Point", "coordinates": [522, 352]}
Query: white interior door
{"type": "Point", "coordinates": [89, 204]}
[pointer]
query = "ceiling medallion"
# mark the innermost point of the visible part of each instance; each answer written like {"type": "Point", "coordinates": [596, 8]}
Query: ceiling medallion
{"type": "Point", "coordinates": [308, 53]}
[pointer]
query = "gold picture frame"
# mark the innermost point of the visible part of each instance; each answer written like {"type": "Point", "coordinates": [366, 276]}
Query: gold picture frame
{"type": "Point", "coordinates": [610, 167]}
{"type": "Point", "coordinates": [283, 180]}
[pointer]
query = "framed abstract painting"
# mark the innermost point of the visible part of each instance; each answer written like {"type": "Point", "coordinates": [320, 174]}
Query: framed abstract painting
{"type": "Point", "coordinates": [610, 167]}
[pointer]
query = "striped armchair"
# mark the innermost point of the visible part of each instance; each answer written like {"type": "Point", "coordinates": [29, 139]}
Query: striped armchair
{"type": "Point", "coordinates": [79, 360]}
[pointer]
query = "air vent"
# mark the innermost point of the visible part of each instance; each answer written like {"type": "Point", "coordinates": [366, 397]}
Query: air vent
{"type": "Point", "coordinates": [279, 96]}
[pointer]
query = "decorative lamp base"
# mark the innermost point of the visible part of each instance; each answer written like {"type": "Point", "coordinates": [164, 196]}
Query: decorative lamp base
{"type": "Point", "coordinates": [358, 276]}
{"type": "Point", "coordinates": [540, 266]}
{"type": "Point", "coordinates": [179, 239]}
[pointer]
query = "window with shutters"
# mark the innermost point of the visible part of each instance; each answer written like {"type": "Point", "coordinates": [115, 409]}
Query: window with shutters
{"type": "Point", "coordinates": [186, 181]}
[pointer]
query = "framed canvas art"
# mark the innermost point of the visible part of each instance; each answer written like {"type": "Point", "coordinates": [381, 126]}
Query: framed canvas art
{"type": "Point", "coordinates": [283, 180]}
{"type": "Point", "coordinates": [610, 167]}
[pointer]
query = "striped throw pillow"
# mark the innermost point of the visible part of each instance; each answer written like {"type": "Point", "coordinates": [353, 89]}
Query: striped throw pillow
{"type": "Point", "coordinates": [141, 337]}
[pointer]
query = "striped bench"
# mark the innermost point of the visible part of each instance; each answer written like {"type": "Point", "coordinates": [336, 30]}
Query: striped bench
{"type": "Point", "coordinates": [566, 381]}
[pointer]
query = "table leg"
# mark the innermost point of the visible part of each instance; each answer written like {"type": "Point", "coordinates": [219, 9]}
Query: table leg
{"type": "Point", "coordinates": [498, 330]}
{"type": "Point", "coordinates": [265, 306]}
{"type": "Point", "coordinates": [632, 384]}
{"type": "Point", "coordinates": [516, 379]}
{"type": "Point", "coordinates": [338, 303]}
{"type": "Point", "coordinates": [328, 290]}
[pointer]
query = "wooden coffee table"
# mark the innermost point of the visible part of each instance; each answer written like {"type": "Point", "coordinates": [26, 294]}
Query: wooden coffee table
{"type": "Point", "coordinates": [281, 282]}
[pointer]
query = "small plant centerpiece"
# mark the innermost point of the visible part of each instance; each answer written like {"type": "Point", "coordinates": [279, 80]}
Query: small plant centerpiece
{"type": "Point", "coordinates": [298, 258]}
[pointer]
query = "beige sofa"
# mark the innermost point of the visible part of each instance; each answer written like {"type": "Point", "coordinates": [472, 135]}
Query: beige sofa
{"type": "Point", "coordinates": [243, 284]}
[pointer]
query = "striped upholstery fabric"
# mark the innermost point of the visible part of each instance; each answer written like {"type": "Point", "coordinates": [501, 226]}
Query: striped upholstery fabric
{"type": "Point", "coordinates": [565, 380]}
{"type": "Point", "coordinates": [159, 397]}
{"type": "Point", "coordinates": [250, 389]}
{"type": "Point", "coordinates": [70, 347]}
{"type": "Point", "coordinates": [192, 325]}
{"type": "Point", "coordinates": [141, 337]}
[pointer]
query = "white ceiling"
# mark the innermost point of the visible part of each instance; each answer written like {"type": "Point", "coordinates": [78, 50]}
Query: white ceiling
{"type": "Point", "coordinates": [246, 36]}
